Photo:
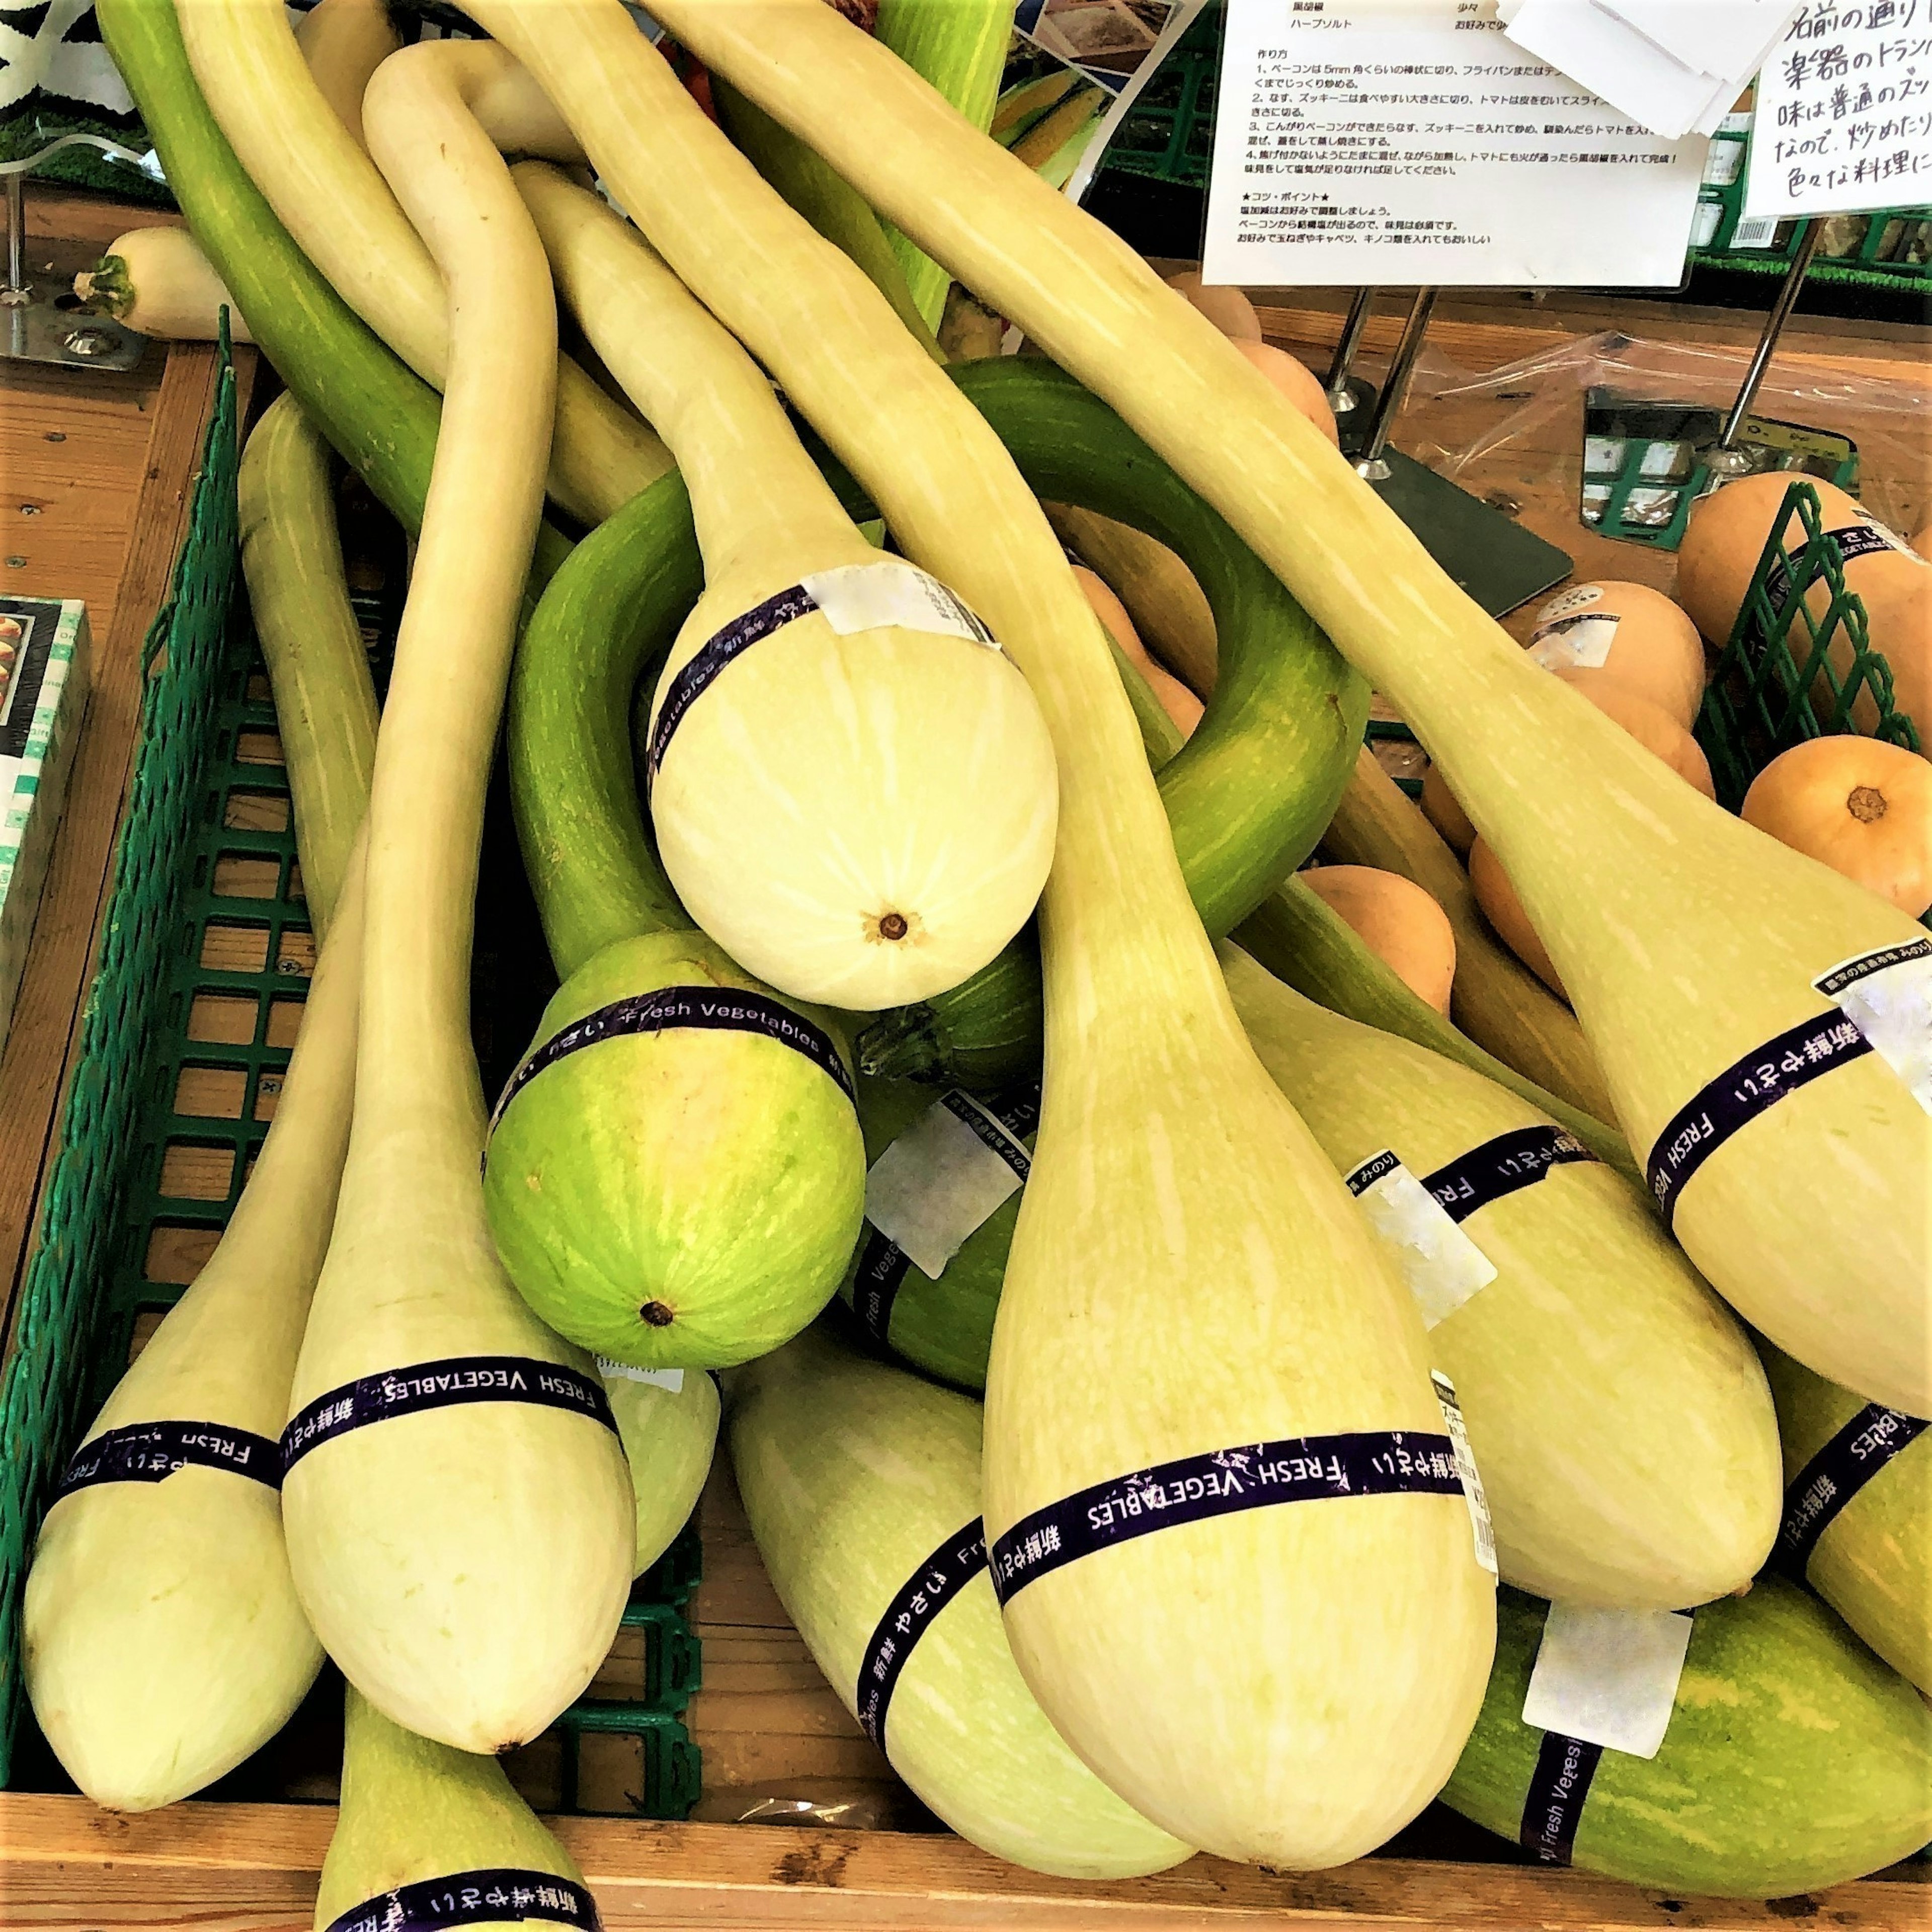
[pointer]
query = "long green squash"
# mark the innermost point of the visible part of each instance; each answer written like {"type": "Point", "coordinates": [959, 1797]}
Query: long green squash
{"type": "Point", "coordinates": [851, 785]}
{"type": "Point", "coordinates": [1626, 1439]}
{"type": "Point", "coordinates": [862, 1485]}
{"type": "Point", "coordinates": [1188, 1276]}
{"type": "Point", "coordinates": [316, 176]}
{"type": "Point", "coordinates": [1791, 1161]}
{"type": "Point", "coordinates": [460, 1522]}
{"type": "Point", "coordinates": [163, 1640]}
{"type": "Point", "coordinates": [1794, 1759]}
{"type": "Point", "coordinates": [1858, 1517]}
{"type": "Point", "coordinates": [425, 1835]}
{"type": "Point", "coordinates": [318, 670]}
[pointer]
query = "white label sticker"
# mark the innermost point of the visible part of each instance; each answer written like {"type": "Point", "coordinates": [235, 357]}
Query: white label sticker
{"type": "Point", "coordinates": [1466, 1469]}
{"type": "Point", "coordinates": [1609, 1677]}
{"type": "Point", "coordinates": [1438, 1264]}
{"type": "Point", "coordinates": [873, 596]}
{"type": "Point", "coordinates": [1582, 641]}
{"type": "Point", "coordinates": [940, 1180]}
{"type": "Point", "coordinates": [1578, 597]}
{"type": "Point", "coordinates": [672, 1379]}
{"type": "Point", "coordinates": [1887, 996]}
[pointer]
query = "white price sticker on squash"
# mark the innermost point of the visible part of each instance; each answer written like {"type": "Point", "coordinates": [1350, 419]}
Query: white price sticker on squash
{"type": "Point", "coordinates": [1609, 1677]}
{"type": "Point", "coordinates": [890, 592]}
{"type": "Point", "coordinates": [1569, 635]}
{"type": "Point", "coordinates": [941, 1179]}
{"type": "Point", "coordinates": [672, 1379]}
{"type": "Point", "coordinates": [1437, 1263]}
{"type": "Point", "coordinates": [1466, 1472]}
{"type": "Point", "coordinates": [1887, 996]}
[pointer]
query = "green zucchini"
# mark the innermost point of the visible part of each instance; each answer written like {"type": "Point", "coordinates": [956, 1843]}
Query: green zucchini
{"type": "Point", "coordinates": [1794, 1758]}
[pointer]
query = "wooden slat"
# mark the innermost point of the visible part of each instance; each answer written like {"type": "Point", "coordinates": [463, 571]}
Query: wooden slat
{"type": "Point", "coordinates": [45, 1030]}
{"type": "Point", "coordinates": [251, 1868]}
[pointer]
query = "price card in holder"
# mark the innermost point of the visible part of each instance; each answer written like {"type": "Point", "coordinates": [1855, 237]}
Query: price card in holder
{"type": "Point", "coordinates": [1407, 142]}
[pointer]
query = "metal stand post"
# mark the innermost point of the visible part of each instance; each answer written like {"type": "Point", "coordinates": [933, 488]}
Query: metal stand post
{"type": "Point", "coordinates": [16, 292]}
{"type": "Point", "coordinates": [1341, 395]}
{"type": "Point", "coordinates": [1726, 459]}
{"type": "Point", "coordinates": [1371, 464]}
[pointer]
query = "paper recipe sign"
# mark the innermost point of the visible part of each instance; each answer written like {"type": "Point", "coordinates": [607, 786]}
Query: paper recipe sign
{"type": "Point", "coordinates": [1407, 141]}
{"type": "Point", "coordinates": [1844, 112]}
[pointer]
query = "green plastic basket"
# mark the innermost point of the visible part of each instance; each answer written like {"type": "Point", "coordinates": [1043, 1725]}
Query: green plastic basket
{"type": "Point", "coordinates": [1775, 683]}
{"type": "Point", "coordinates": [1167, 134]}
{"type": "Point", "coordinates": [187, 1029]}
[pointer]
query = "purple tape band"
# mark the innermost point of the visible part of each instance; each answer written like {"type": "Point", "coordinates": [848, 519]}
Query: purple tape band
{"type": "Point", "coordinates": [1833, 1476]}
{"type": "Point", "coordinates": [1505, 1165]}
{"type": "Point", "coordinates": [1553, 1806]}
{"type": "Point", "coordinates": [908, 1617]}
{"type": "Point", "coordinates": [673, 1008]}
{"type": "Point", "coordinates": [1795, 1058]}
{"type": "Point", "coordinates": [1304, 1468]}
{"type": "Point", "coordinates": [151, 1452]}
{"type": "Point", "coordinates": [486, 1897]}
{"type": "Point", "coordinates": [450, 1384]}
{"type": "Point", "coordinates": [715, 653]}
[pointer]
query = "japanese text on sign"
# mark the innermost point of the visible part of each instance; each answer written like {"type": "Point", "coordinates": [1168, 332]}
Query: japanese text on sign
{"type": "Point", "coordinates": [1407, 141]}
{"type": "Point", "coordinates": [1844, 112]}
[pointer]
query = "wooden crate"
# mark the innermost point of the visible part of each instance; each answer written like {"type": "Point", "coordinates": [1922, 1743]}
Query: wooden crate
{"type": "Point", "coordinates": [113, 498]}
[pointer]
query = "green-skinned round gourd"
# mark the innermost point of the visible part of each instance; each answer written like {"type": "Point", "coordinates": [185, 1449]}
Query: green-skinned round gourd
{"type": "Point", "coordinates": [1858, 1511]}
{"type": "Point", "coordinates": [1617, 1414]}
{"type": "Point", "coordinates": [727, 1114]}
{"type": "Point", "coordinates": [862, 1485]}
{"type": "Point", "coordinates": [426, 1835]}
{"type": "Point", "coordinates": [941, 1323]}
{"type": "Point", "coordinates": [1793, 1759]}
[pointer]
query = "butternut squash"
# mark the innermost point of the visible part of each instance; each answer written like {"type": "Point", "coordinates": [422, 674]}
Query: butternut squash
{"type": "Point", "coordinates": [1504, 910]}
{"type": "Point", "coordinates": [1631, 633]}
{"type": "Point", "coordinates": [1861, 806]}
{"type": "Point", "coordinates": [1228, 308]}
{"type": "Point", "coordinates": [1648, 724]}
{"type": "Point", "coordinates": [1179, 702]}
{"type": "Point", "coordinates": [1439, 806]}
{"type": "Point", "coordinates": [1399, 922]}
{"type": "Point", "coordinates": [1296, 381]}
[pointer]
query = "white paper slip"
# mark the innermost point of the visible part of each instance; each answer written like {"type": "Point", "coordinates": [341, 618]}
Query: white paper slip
{"type": "Point", "coordinates": [1409, 142]}
{"type": "Point", "coordinates": [1727, 39]}
{"type": "Point", "coordinates": [1617, 63]}
{"type": "Point", "coordinates": [1844, 113]}
{"type": "Point", "coordinates": [1887, 996]}
{"type": "Point", "coordinates": [1480, 1525]}
{"type": "Point", "coordinates": [940, 1180]}
{"type": "Point", "coordinates": [868, 596]}
{"type": "Point", "coordinates": [1609, 1677]}
{"type": "Point", "coordinates": [1437, 1263]}
{"type": "Point", "coordinates": [672, 1379]}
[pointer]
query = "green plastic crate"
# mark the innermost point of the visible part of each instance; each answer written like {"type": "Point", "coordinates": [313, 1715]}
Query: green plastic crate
{"type": "Point", "coordinates": [1167, 134]}
{"type": "Point", "coordinates": [1768, 689]}
{"type": "Point", "coordinates": [207, 935]}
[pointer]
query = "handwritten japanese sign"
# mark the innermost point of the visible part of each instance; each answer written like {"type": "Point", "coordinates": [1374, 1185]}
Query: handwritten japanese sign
{"type": "Point", "coordinates": [1844, 112]}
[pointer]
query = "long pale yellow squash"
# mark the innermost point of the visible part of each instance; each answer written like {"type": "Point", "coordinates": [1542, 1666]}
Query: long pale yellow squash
{"type": "Point", "coordinates": [460, 1521]}
{"type": "Point", "coordinates": [318, 670]}
{"type": "Point", "coordinates": [158, 280]}
{"type": "Point", "coordinates": [1496, 999]}
{"type": "Point", "coordinates": [798, 831]}
{"type": "Point", "coordinates": [343, 42]}
{"type": "Point", "coordinates": [1790, 1158]}
{"type": "Point", "coordinates": [420, 1826]}
{"type": "Point", "coordinates": [1618, 1415]}
{"type": "Point", "coordinates": [315, 175]}
{"type": "Point", "coordinates": [1188, 1279]}
{"type": "Point", "coordinates": [163, 1640]}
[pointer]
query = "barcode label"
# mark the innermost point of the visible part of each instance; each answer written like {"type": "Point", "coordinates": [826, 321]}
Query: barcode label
{"type": "Point", "coordinates": [1757, 232]}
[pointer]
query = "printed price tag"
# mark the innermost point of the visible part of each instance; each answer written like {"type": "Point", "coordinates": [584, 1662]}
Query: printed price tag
{"type": "Point", "coordinates": [1480, 1524]}
{"type": "Point", "coordinates": [1608, 1677]}
{"type": "Point", "coordinates": [1569, 634]}
{"type": "Point", "coordinates": [1407, 141]}
{"type": "Point", "coordinates": [869, 596]}
{"type": "Point", "coordinates": [1437, 1262]}
{"type": "Point", "coordinates": [1887, 996]}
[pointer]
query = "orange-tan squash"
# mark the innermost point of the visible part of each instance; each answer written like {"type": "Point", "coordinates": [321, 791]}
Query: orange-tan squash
{"type": "Point", "coordinates": [1443, 810]}
{"type": "Point", "coordinates": [1399, 922]}
{"type": "Point", "coordinates": [1227, 308]}
{"type": "Point", "coordinates": [1858, 805]}
{"type": "Point", "coordinates": [1648, 724]}
{"type": "Point", "coordinates": [1631, 633]}
{"type": "Point", "coordinates": [1296, 381]}
{"type": "Point", "coordinates": [1504, 910]}
{"type": "Point", "coordinates": [1179, 702]}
